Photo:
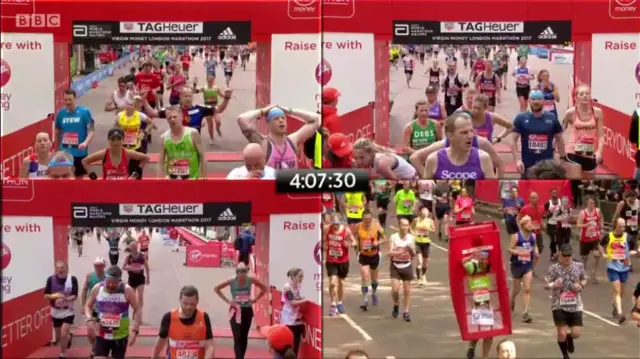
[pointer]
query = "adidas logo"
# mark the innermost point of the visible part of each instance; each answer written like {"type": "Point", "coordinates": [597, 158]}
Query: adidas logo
{"type": "Point", "coordinates": [227, 34]}
{"type": "Point", "coordinates": [227, 215]}
{"type": "Point", "coordinates": [548, 34]}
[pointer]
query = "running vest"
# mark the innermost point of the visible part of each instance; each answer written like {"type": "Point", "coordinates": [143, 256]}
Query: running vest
{"type": "Point", "coordinates": [366, 237]}
{"type": "Point", "coordinates": [470, 170]}
{"type": "Point", "coordinates": [617, 252]}
{"type": "Point", "coordinates": [422, 229]}
{"type": "Point", "coordinates": [434, 76]}
{"type": "Point", "coordinates": [453, 96]}
{"type": "Point", "coordinates": [630, 215]}
{"type": "Point", "coordinates": [136, 263]}
{"type": "Point", "coordinates": [590, 233]}
{"type": "Point", "coordinates": [405, 202]}
{"type": "Point", "coordinates": [403, 260]}
{"type": "Point", "coordinates": [131, 126]}
{"type": "Point", "coordinates": [403, 169]}
{"type": "Point", "coordinates": [36, 170]}
{"type": "Point", "coordinates": [553, 209]}
{"type": "Point", "coordinates": [122, 101]}
{"type": "Point", "coordinates": [526, 247]}
{"type": "Point", "coordinates": [93, 280]}
{"type": "Point", "coordinates": [523, 77]}
{"type": "Point", "coordinates": [435, 111]}
{"type": "Point", "coordinates": [113, 313]}
{"type": "Point", "coordinates": [63, 309]}
{"type": "Point", "coordinates": [210, 95]}
{"type": "Point", "coordinates": [241, 294]}
{"type": "Point", "coordinates": [183, 160]}
{"type": "Point", "coordinates": [337, 252]}
{"type": "Point", "coordinates": [187, 341]}
{"type": "Point", "coordinates": [488, 85]}
{"type": "Point", "coordinates": [286, 159]}
{"type": "Point", "coordinates": [564, 217]}
{"type": "Point", "coordinates": [289, 314]}
{"type": "Point", "coordinates": [355, 204]}
{"type": "Point", "coordinates": [115, 172]}
{"type": "Point", "coordinates": [583, 137]}
{"type": "Point", "coordinates": [465, 214]}
{"type": "Point", "coordinates": [422, 136]}
{"type": "Point", "coordinates": [486, 129]}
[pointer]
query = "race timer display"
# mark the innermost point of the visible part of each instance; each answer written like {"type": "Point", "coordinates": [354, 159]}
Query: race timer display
{"type": "Point", "coordinates": [321, 181]}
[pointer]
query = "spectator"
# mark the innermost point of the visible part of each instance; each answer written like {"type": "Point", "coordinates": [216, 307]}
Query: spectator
{"type": "Point", "coordinates": [338, 153]}
{"type": "Point", "coordinates": [280, 339]}
{"type": "Point", "coordinates": [506, 349]}
{"type": "Point", "coordinates": [357, 354]}
{"type": "Point", "coordinates": [633, 138]}
{"type": "Point", "coordinates": [330, 118]}
{"type": "Point", "coordinates": [255, 166]}
{"type": "Point", "coordinates": [243, 244]}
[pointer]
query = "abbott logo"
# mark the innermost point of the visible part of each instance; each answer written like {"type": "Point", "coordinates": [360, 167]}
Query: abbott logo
{"type": "Point", "coordinates": [624, 9]}
{"type": "Point", "coordinates": [80, 212]}
{"type": "Point", "coordinates": [401, 29]}
{"type": "Point", "coordinates": [80, 31]}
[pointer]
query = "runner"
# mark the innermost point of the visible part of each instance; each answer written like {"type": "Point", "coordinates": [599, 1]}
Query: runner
{"type": "Point", "coordinates": [425, 192]}
{"type": "Point", "coordinates": [422, 131]}
{"type": "Point", "coordinates": [420, 49]}
{"type": "Point", "coordinates": [382, 192]}
{"type": "Point", "coordinates": [566, 279]}
{"type": "Point", "coordinates": [228, 65]}
{"type": "Point", "coordinates": [552, 209]}
{"type": "Point", "coordinates": [489, 84]}
{"type": "Point", "coordinates": [384, 162]}
{"type": "Point", "coordinates": [116, 160]}
{"type": "Point", "coordinates": [181, 153]}
{"type": "Point", "coordinates": [148, 85]}
{"type": "Point", "coordinates": [78, 238]}
{"type": "Point", "coordinates": [176, 83]}
{"type": "Point", "coordinates": [523, 76]}
{"type": "Point", "coordinates": [91, 280]}
{"type": "Point", "coordinates": [405, 201]}
{"type": "Point", "coordinates": [401, 254]}
{"type": "Point", "coordinates": [478, 67]}
{"type": "Point", "coordinates": [211, 94]}
{"type": "Point", "coordinates": [590, 224]}
{"type": "Point", "coordinates": [535, 212]}
{"type": "Point", "coordinates": [143, 241]}
{"type": "Point", "coordinates": [113, 240]}
{"type": "Point", "coordinates": [120, 98]}
{"type": "Point", "coordinates": [442, 193]}
{"type": "Point", "coordinates": [461, 160]}
{"type": "Point", "coordinates": [281, 342]}
{"type": "Point", "coordinates": [586, 140]}
{"type": "Point", "coordinates": [437, 110]}
{"type": "Point", "coordinates": [61, 291]}
{"type": "Point", "coordinates": [281, 147]}
{"type": "Point", "coordinates": [74, 130]}
{"type": "Point", "coordinates": [136, 264]}
{"type": "Point", "coordinates": [37, 164]}
{"type": "Point", "coordinates": [409, 65]}
{"type": "Point", "coordinates": [536, 130]}
{"type": "Point", "coordinates": [465, 53]}
{"type": "Point", "coordinates": [421, 227]}
{"type": "Point", "coordinates": [453, 87]}
{"type": "Point", "coordinates": [563, 233]}
{"type": "Point", "coordinates": [511, 207]}
{"type": "Point", "coordinates": [113, 298]}
{"type": "Point", "coordinates": [463, 208]}
{"type": "Point", "coordinates": [291, 314]}
{"type": "Point", "coordinates": [241, 305]}
{"type": "Point", "coordinates": [434, 72]}
{"type": "Point", "coordinates": [524, 257]}
{"type": "Point", "coordinates": [354, 204]}
{"type": "Point", "coordinates": [185, 62]}
{"type": "Point", "coordinates": [550, 91]}
{"type": "Point", "coordinates": [485, 121]}
{"type": "Point", "coordinates": [614, 246]}
{"type": "Point", "coordinates": [369, 236]}
{"type": "Point", "coordinates": [337, 240]}
{"type": "Point", "coordinates": [628, 209]}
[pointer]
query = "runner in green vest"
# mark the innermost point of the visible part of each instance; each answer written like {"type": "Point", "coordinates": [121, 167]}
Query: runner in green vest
{"type": "Point", "coordinates": [523, 51]}
{"type": "Point", "coordinates": [211, 93]}
{"type": "Point", "coordinates": [405, 200]}
{"type": "Point", "coordinates": [181, 152]}
{"type": "Point", "coordinates": [422, 131]}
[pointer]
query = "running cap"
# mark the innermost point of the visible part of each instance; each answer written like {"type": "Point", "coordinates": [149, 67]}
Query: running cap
{"type": "Point", "coordinates": [280, 337]}
{"type": "Point", "coordinates": [99, 261]}
{"type": "Point", "coordinates": [566, 249]}
{"type": "Point", "coordinates": [115, 132]}
{"type": "Point", "coordinates": [329, 94]}
{"type": "Point", "coordinates": [275, 112]}
{"type": "Point", "coordinates": [113, 273]}
{"type": "Point", "coordinates": [340, 145]}
{"type": "Point", "coordinates": [536, 95]}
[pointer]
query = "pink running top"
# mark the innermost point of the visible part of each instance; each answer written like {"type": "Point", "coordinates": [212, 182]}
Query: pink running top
{"type": "Point", "coordinates": [285, 159]}
{"type": "Point", "coordinates": [583, 136]}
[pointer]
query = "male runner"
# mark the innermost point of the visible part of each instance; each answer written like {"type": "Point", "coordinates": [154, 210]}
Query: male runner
{"type": "Point", "coordinates": [552, 210]}
{"type": "Point", "coordinates": [535, 212]}
{"type": "Point", "coordinates": [442, 194]}
{"type": "Point", "coordinates": [405, 201]}
{"type": "Point", "coordinates": [369, 235]}
{"type": "Point", "coordinates": [337, 240]}
{"type": "Point", "coordinates": [91, 280]}
{"type": "Point", "coordinates": [61, 291]}
{"type": "Point", "coordinates": [74, 130]}
{"type": "Point", "coordinates": [401, 254]}
{"type": "Point", "coordinates": [511, 207]}
{"type": "Point", "coordinates": [181, 152]}
{"type": "Point", "coordinates": [524, 257]}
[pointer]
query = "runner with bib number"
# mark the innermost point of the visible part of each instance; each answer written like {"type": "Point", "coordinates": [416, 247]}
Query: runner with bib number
{"type": "Point", "coordinates": [590, 224]}
{"type": "Point", "coordinates": [369, 235]}
{"type": "Point", "coordinates": [524, 257]}
{"type": "Point", "coordinates": [337, 240]}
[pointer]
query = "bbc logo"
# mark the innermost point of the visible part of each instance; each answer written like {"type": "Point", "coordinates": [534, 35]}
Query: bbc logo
{"type": "Point", "coordinates": [38, 20]}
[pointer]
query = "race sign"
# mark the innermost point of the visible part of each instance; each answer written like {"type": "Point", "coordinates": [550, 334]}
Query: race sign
{"type": "Point", "coordinates": [161, 33]}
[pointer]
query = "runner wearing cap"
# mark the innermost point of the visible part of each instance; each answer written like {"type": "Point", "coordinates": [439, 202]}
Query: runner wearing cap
{"type": "Point", "coordinates": [91, 280]}
{"type": "Point", "coordinates": [115, 159]}
{"type": "Point", "coordinates": [280, 339]}
{"type": "Point", "coordinates": [339, 152]}
{"type": "Point", "coordinates": [280, 147]}
{"type": "Point", "coordinates": [536, 130]}
{"type": "Point", "coordinates": [330, 118]}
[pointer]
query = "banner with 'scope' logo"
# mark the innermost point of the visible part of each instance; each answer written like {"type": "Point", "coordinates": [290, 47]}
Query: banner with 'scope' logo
{"type": "Point", "coordinates": [160, 214]}
{"type": "Point", "coordinates": [161, 33]}
{"type": "Point", "coordinates": [481, 32]}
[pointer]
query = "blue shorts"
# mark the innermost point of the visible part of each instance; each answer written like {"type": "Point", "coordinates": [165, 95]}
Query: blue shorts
{"type": "Point", "coordinates": [614, 275]}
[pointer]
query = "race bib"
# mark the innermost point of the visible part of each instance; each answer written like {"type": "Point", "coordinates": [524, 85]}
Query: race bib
{"type": "Point", "coordinates": [524, 257]}
{"type": "Point", "coordinates": [70, 139]}
{"type": "Point", "coordinates": [335, 252]}
{"type": "Point", "coordinates": [187, 353]}
{"type": "Point", "coordinates": [538, 143]}
{"type": "Point", "coordinates": [549, 106]}
{"type": "Point", "coordinates": [586, 145]}
{"type": "Point", "coordinates": [407, 203]}
{"type": "Point", "coordinates": [481, 296]}
{"type": "Point", "coordinates": [466, 216]}
{"type": "Point", "coordinates": [403, 257]}
{"type": "Point", "coordinates": [243, 297]}
{"type": "Point", "coordinates": [523, 80]}
{"type": "Point", "coordinates": [619, 254]}
{"type": "Point", "coordinates": [109, 320]}
{"type": "Point", "coordinates": [179, 168]}
{"type": "Point", "coordinates": [130, 138]}
{"type": "Point", "coordinates": [592, 232]}
{"type": "Point", "coordinates": [367, 245]}
{"type": "Point", "coordinates": [568, 299]}
{"type": "Point", "coordinates": [354, 209]}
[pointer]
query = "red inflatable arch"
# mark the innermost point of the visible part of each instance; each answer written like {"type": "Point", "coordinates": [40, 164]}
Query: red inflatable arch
{"type": "Point", "coordinates": [54, 198]}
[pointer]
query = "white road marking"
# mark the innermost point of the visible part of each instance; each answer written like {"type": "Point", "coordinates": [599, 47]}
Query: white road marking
{"type": "Point", "coordinates": [355, 326]}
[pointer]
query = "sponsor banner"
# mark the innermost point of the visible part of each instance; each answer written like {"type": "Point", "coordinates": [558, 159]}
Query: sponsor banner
{"type": "Point", "coordinates": [478, 32]}
{"type": "Point", "coordinates": [160, 214]}
{"type": "Point", "coordinates": [23, 240]}
{"type": "Point", "coordinates": [26, 323]}
{"type": "Point", "coordinates": [203, 256]}
{"type": "Point", "coordinates": [26, 59]}
{"type": "Point", "coordinates": [311, 346]}
{"type": "Point", "coordinates": [179, 33]}
{"type": "Point", "coordinates": [331, 9]}
{"type": "Point", "coordinates": [299, 234]}
{"type": "Point", "coordinates": [624, 9]}
{"type": "Point", "coordinates": [561, 58]}
{"type": "Point", "coordinates": [623, 50]}
{"type": "Point", "coordinates": [347, 64]}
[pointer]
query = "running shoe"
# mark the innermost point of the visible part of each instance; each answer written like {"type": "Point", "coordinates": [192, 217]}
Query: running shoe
{"type": "Point", "coordinates": [396, 311]}
{"type": "Point", "coordinates": [364, 306]}
{"type": "Point", "coordinates": [340, 308]}
{"type": "Point", "coordinates": [332, 311]}
{"type": "Point", "coordinates": [374, 299]}
{"type": "Point", "coordinates": [406, 317]}
{"type": "Point", "coordinates": [527, 318]}
{"type": "Point", "coordinates": [570, 346]}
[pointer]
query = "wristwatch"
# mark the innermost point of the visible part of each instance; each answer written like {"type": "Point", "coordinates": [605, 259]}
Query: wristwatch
{"type": "Point", "coordinates": [135, 331]}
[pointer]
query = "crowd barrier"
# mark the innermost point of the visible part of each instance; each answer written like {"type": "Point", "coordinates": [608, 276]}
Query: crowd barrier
{"type": "Point", "coordinates": [213, 255]}
{"type": "Point", "coordinates": [492, 191]}
{"type": "Point", "coordinates": [86, 83]}
{"type": "Point", "coordinates": [311, 316]}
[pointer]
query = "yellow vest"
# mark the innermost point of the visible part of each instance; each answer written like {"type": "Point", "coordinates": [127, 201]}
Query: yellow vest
{"type": "Point", "coordinates": [422, 230]}
{"type": "Point", "coordinates": [617, 248]}
{"type": "Point", "coordinates": [355, 204]}
{"type": "Point", "coordinates": [131, 127]}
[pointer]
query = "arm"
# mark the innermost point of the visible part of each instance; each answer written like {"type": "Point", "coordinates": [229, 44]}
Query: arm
{"type": "Point", "coordinates": [512, 245]}
{"type": "Point", "coordinates": [218, 289]}
{"type": "Point", "coordinates": [146, 268]}
{"type": "Point", "coordinates": [385, 167]}
{"type": "Point", "coordinates": [163, 336]}
{"type": "Point", "coordinates": [515, 138]}
{"type": "Point", "coordinates": [418, 158]}
{"type": "Point", "coordinates": [110, 105]}
{"type": "Point", "coordinates": [312, 124]}
{"type": "Point", "coordinates": [562, 151]}
{"type": "Point", "coordinates": [443, 111]}
{"type": "Point", "coordinates": [486, 164]}
{"type": "Point", "coordinates": [508, 125]}
{"type": "Point", "coordinates": [568, 116]}
{"type": "Point", "coordinates": [406, 138]}
{"type": "Point", "coordinates": [580, 223]}
{"type": "Point", "coordinates": [137, 156]}
{"type": "Point", "coordinates": [246, 122]}
{"type": "Point", "coordinates": [262, 289]}
{"type": "Point", "coordinates": [24, 169]}
{"type": "Point", "coordinates": [85, 290]}
{"type": "Point", "coordinates": [600, 127]}
{"type": "Point", "coordinates": [91, 130]}
{"type": "Point", "coordinates": [197, 143]}
{"type": "Point", "coordinates": [556, 94]}
{"type": "Point", "coordinates": [616, 214]}
{"type": "Point", "coordinates": [94, 157]}
{"type": "Point", "coordinates": [74, 290]}
{"type": "Point", "coordinates": [430, 166]}
{"type": "Point", "coordinates": [209, 346]}
{"type": "Point", "coordinates": [498, 88]}
{"type": "Point", "coordinates": [88, 307]}
{"type": "Point", "coordinates": [225, 101]}
{"type": "Point", "coordinates": [48, 291]}
{"type": "Point", "coordinates": [162, 159]}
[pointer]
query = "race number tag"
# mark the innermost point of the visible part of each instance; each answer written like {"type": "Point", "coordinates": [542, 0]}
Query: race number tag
{"type": "Point", "coordinates": [568, 299]}
{"type": "Point", "coordinates": [354, 209]}
{"type": "Point", "coordinates": [524, 80]}
{"type": "Point", "coordinates": [130, 138]}
{"type": "Point", "coordinates": [538, 143]}
{"type": "Point", "coordinates": [407, 203]}
{"type": "Point", "coordinates": [109, 320]}
{"type": "Point", "coordinates": [335, 252]}
{"type": "Point", "coordinates": [70, 139]}
{"type": "Point", "coordinates": [367, 245]}
{"type": "Point", "coordinates": [481, 296]}
{"type": "Point", "coordinates": [179, 168]}
{"type": "Point", "coordinates": [586, 145]}
{"type": "Point", "coordinates": [187, 354]}
{"type": "Point", "coordinates": [524, 256]}
{"type": "Point", "coordinates": [243, 297]}
{"type": "Point", "coordinates": [434, 79]}
{"type": "Point", "coordinates": [549, 106]}
{"type": "Point", "coordinates": [466, 216]}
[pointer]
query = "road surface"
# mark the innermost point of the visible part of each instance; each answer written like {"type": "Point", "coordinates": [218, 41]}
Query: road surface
{"type": "Point", "coordinates": [433, 332]}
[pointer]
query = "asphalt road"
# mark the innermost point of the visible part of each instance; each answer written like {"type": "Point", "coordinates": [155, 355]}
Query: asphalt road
{"type": "Point", "coordinates": [433, 332]}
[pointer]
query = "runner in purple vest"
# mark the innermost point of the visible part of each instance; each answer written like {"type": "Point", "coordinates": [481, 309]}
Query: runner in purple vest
{"type": "Point", "coordinates": [461, 160]}
{"type": "Point", "coordinates": [61, 291]}
{"type": "Point", "coordinates": [437, 110]}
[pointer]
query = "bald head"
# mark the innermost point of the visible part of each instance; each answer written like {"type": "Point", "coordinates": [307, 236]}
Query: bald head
{"type": "Point", "coordinates": [254, 157]}
{"type": "Point", "coordinates": [621, 224]}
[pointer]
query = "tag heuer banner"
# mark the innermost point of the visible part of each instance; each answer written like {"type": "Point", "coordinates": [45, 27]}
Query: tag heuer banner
{"type": "Point", "coordinates": [160, 214]}
{"type": "Point", "coordinates": [161, 33]}
{"type": "Point", "coordinates": [476, 33]}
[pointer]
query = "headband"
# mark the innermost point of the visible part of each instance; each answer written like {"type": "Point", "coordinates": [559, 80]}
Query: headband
{"type": "Point", "coordinates": [60, 163]}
